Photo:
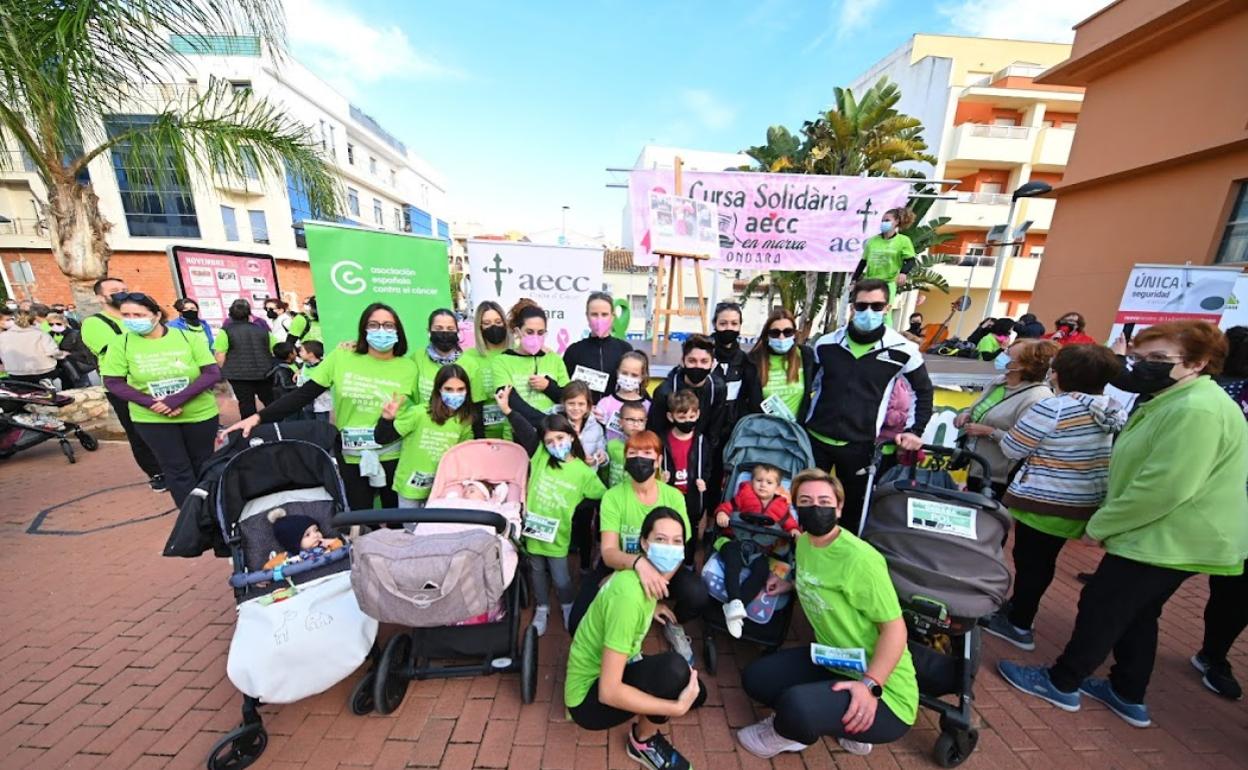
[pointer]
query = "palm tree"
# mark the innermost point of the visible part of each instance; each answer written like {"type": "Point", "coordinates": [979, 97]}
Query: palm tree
{"type": "Point", "coordinates": [65, 66]}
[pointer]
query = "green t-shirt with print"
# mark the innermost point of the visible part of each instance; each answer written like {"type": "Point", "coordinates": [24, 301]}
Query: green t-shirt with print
{"type": "Point", "coordinates": [160, 367]}
{"type": "Point", "coordinates": [553, 495]}
{"type": "Point", "coordinates": [623, 513]}
{"type": "Point", "coordinates": [885, 257]}
{"type": "Point", "coordinates": [846, 593]}
{"type": "Point", "coordinates": [361, 386]}
{"type": "Point", "coordinates": [483, 389]}
{"type": "Point", "coordinates": [857, 350]}
{"type": "Point", "coordinates": [424, 443]}
{"type": "Point", "coordinates": [427, 373]}
{"type": "Point", "coordinates": [97, 334]}
{"type": "Point", "coordinates": [510, 368]}
{"type": "Point", "coordinates": [305, 329]}
{"type": "Point", "coordinates": [615, 463]}
{"type": "Point", "coordinates": [617, 620]}
{"type": "Point", "coordinates": [778, 386]}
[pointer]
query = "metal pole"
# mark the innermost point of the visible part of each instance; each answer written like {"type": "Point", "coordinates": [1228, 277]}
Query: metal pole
{"type": "Point", "coordinates": [965, 294]}
{"type": "Point", "coordinates": [999, 269]}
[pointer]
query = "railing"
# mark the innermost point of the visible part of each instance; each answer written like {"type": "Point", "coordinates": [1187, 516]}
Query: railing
{"type": "Point", "coordinates": [992, 199]}
{"type": "Point", "coordinates": [24, 226]}
{"type": "Point", "coordinates": [1019, 71]}
{"type": "Point", "coordinates": [999, 132]}
{"type": "Point", "coordinates": [361, 117]}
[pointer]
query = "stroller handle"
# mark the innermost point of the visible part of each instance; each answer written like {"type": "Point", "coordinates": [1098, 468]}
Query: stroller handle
{"type": "Point", "coordinates": [978, 459]}
{"type": "Point", "coordinates": [373, 517]}
{"type": "Point", "coordinates": [737, 525]}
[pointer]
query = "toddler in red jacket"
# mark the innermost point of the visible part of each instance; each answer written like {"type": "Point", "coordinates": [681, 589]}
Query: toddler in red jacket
{"type": "Point", "coordinates": [761, 495]}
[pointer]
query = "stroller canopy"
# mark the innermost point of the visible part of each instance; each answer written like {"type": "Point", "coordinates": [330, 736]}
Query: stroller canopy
{"type": "Point", "coordinates": [764, 438]}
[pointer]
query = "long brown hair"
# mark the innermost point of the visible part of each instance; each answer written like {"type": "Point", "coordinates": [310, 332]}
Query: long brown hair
{"type": "Point", "coordinates": [761, 353]}
{"type": "Point", "coordinates": [438, 410]}
{"type": "Point", "coordinates": [904, 216]}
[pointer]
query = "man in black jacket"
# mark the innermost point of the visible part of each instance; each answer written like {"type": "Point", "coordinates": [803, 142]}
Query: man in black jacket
{"type": "Point", "coordinates": [596, 359]}
{"type": "Point", "coordinates": [856, 368]}
{"type": "Point", "coordinates": [697, 373]}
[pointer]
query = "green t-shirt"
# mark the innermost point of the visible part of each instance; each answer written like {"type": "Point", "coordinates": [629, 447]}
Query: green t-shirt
{"type": "Point", "coordinates": [988, 344]}
{"type": "Point", "coordinates": [427, 373]}
{"type": "Point", "coordinates": [305, 329]}
{"type": "Point", "coordinates": [787, 393]}
{"type": "Point", "coordinates": [857, 350]}
{"type": "Point", "coordinates": [483, 389]}
{"type": "Point", "coordinates": [1071, 529]}
{"type": "Point", "coordinates": [553, 495]}
{"type": "Point", "coordinates": [515, 370]}
{"type": "Point", "coordinates": [221, 342]}
{"type": "Point", "coordinates": [846, 593]}
{"type": "Point", "coordinates": [424, 443]}
{"type": "Point", "coordinates": [97, 334]}
{"type": "Point", "coordinates": [617, 620]}
{"type": "Point", "coordinates": [361, 386]}
{"type": "Point", "coordinates": [615, 463]}
{"type": "Point", "coordinates": [990, 399]}
{"type": "Point", "coordinates": [623, 513]}
{"type": "Point", "coordinates": [160, 367]}
{"type": "Point", "coordinates": [884, 258]}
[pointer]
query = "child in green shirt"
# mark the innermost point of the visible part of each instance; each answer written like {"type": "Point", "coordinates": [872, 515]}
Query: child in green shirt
{"type": "Point", "coordinates": [632, 421]}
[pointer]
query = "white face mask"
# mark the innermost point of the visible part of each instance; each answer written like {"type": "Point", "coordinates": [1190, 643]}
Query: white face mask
{"type": "Point", "coordinates": [628, 383]}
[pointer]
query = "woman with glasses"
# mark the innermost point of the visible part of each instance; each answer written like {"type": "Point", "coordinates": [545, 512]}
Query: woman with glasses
{"type": "Point", "coordinates": [1175, 507]}
{"type": "Point", "coordinates": [361, 380]}
{"type": "Point", "coordinates": [785, 368]}
{"type": "Point", "coordinates": [537, 375]}
{"type": "Point", "coordinates": [166, 376]}
{"type": "Point", "coordinates": [492, 338]}
{"type": "Point", "coordinates": [595, 359]}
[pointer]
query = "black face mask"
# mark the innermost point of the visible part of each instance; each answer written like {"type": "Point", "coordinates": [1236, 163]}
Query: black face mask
{"type": "Point", "coordinates": [494, 334]}
{"type": "Point", "coordinates": [639, 468]}
{"type": "Point", "coordinates": [726, 338]}
{"type": "Point", "coordinates": [1145, 378]}
{"type": "Point", "coordinates": [695, 375]}
{"type": "Point", "coordinates": [817, 520]}
{"type": "Point", "coordinates": [271, 313]}
{"type": "Point", "coordinates": [191, 316]}
{"type": "Point", "coordinates": [916, 327]}
{"type": "Point", "coordinates": [686, 426]}
{"type": "Point", "coordinates": [444, 341]}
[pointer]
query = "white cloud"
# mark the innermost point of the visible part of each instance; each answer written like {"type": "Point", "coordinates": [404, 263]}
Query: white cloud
{"type": "Point", "coordinates": [707, 109]}
{"type": "Point", "coordinates": [1046, 20]}
{"type": "Point", "coordinates": [851, 16]}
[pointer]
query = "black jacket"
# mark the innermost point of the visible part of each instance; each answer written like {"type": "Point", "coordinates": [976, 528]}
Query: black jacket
{"type": "Point", "coordinates": [601, 353]}
{"type": "Point", "coordinates": [712, 402]}
{"type": "Point", "coordinates": [809, 366]}
{"type": "Point", "coordinates": [701, 466]}
{"type": "Point", "coordinates": [80, 356]}
{"type": "Point", "coordinates": [741, 380]}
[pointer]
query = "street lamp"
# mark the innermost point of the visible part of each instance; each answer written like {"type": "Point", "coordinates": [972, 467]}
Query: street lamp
{"type": "Point", "coordinates": [1028, 190]}
{"type": "Point", "coordinates": [563, 233]}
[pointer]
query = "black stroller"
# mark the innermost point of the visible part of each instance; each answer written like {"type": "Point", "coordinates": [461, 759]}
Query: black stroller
{"type": "Point", "coordinates": [756, 439]}
{"type": "Point", "coordinates": [21, 428]}
{"type": "Point", "coordinates": [945, 554]}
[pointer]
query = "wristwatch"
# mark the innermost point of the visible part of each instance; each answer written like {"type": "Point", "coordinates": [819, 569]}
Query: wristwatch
{"type": "Point", "coordinates": [873, 687]}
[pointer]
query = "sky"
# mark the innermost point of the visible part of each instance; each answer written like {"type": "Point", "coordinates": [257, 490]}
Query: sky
{"type": "Point", "coordinates": [524, 105]}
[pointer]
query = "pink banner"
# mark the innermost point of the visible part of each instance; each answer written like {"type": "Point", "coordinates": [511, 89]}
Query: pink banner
{"type": "Point", "coordinates": [215, 278]}
{"type": "Point", "coordinates": [776, 221]}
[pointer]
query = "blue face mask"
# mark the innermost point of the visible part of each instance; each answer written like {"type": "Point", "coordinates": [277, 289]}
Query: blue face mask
{"type": "Point", "coordinates": [664, 556]}
{"type": "Point", "coordinates": [1001, 361]}
{"type": "Point", "coordinates": [780, 346]}
{"type": "Point", "coordinates": [886, 227]}
{"type": "Point", "coordinates": [138, 325]}
{"type": "Point", "coordinates": [382, 339]}
{"type": "Point", "coordinates": [868, 320]}
{"type": "Point", "coordinates": [560, 450]}
{"type": "Point", "coordinates": [453, 400]}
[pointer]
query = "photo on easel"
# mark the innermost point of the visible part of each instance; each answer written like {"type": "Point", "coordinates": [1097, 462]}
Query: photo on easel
{"type": "Point", "coordinates": [683, 226]}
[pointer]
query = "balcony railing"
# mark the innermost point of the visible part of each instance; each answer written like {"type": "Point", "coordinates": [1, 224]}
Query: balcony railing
{"type": "Point", "coordinates": [991, 199]}
{"type": "Point", "coordinates": [1019, 71]}
{"type": "Point", "coordinates": [21, 226]}
{"type": "Point", "coordinates": [999, 132]}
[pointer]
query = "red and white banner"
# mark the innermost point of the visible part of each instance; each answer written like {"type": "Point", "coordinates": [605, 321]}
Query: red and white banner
{"type": "Point", "coordinates": [1158, 293]}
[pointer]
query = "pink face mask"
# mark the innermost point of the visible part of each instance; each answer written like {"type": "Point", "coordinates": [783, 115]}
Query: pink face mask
{"type": "Point", "coordinates": [600, 326]}
{"type": "Point", "coordinates": [531, 343]}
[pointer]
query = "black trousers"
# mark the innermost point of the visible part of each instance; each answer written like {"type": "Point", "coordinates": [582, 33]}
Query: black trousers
{"type": "Point", "coordinates": [138, 447]}
{"type": "Point", "coordinates": [733, 559]}
{"type": "Point", "coordinates": [686, 595]}
{"type": "Point", "coordinates": [247, 391]}
{"type": "Point", "coordinates": [1035, 563]}
{"type": "Point", "coordinates": [583, 534]}
{"type": "Point", "coordinates": [361, 495]}
{"type": "Point", "coordinates": [664, 676]}
{"type": "Point", "coordinates": [181, 449]}
{"type": "Point", "coordinates": [1226, 614]}
{"type": "Point", "coordinates": [806, 706]}
{"type": "Point", "coordinates": [849, 463]}
{"type": "Point", "coordinates": [1118, 612]}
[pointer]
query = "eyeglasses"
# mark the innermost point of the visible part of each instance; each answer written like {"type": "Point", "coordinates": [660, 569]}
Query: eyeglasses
{"type": "Point", "coordinates": [776, 334]}
{"type": "Point", "coordinates": [1156, 358]}
{"type": "Point", "coordinates": [862, 307]}
{"type": "Point", "coordinates": [633, 420]}
{"type": "Point", "coordinates": [373, 326]}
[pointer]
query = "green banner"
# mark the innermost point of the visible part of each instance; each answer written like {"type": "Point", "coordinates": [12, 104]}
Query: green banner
{"type": "Point", "coordinates": [353, 267]}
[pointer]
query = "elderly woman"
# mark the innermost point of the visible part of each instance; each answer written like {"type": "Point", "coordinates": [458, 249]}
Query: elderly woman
{"type": "Point", "coordinates": [1006, 399]}
{"type": "Point", "coordinates": [1175, 507]}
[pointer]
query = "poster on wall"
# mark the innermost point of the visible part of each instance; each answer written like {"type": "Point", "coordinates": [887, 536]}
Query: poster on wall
{"type": "Point", "coordinates": [556, 277]}
{"type": "Point", "coordinates": [215, 278]}
{"type": "Point", "coordinates": [1158, 293]}
{"type": "Point", "coordinates": [683, 226]}
{"type": "Point", "coordinates": [353, 267]}
{"type": "Point", "coordinates": [773, 221]}
{"type": "Point", "coordinates": [1236, 312]}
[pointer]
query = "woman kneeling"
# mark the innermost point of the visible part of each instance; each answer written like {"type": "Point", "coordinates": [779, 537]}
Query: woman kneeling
{"type": "Point", "coordinates": [609, 681]}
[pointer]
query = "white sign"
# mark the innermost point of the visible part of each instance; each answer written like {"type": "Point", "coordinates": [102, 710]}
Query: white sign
{"type": "Point", "coordinates": [559, 278]}
{"type": "Point", "coordinates": [1158, 293]}
{"type": "Point", "coordinates": [958, 520]}
{"type": "Point", "coordinates": [1236, 312]}
{"type": "Point", "coordinates": [682, 226]}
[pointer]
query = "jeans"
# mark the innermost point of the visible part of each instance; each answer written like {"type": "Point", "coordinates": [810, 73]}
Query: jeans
{"type": "Point", "coordinates": [734, 562]}
{"type": "Point", "coordinates": [138, 447]}
{"type": "Point", "coordinates": [1226, 614]}
{"type": "Point", "coordinates": [806, 706]}
{"type": "Point", "coordinates": [361, 494]}
{"type": "Point", "coordinates": [181, 449]}
{"type": "Point", "coordinates": [664, 676]}
{"type": "Point", "coordinates": [405, 502]}
{"type": "Point", "coordinates": [1118, 612]}
{"type": "Point", "coordinates": [247, 391]}
{"type": "Point", "coordinates": [686, 595]}
{"type": "Point", "coordinates": [849, 462]}
{"type": "Point", "coordinates": [1035, 563]}
{"type": "Point", "coordinates": [546, 569]}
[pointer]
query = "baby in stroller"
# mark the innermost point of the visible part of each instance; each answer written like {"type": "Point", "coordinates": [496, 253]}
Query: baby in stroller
{"type": "Point", "coordinates": [300, 536]}
{"type": "Point", "coordinates": [763, 496]}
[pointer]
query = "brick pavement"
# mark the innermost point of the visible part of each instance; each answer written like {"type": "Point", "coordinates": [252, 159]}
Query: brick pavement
{"type": "Point", "coordinates": [111, 656]}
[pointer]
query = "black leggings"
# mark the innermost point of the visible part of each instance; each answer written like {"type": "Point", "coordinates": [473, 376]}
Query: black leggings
{"type": "Point", "coordinates": [849, 462]}
{"type": "Point", "coordinates": [1035, 563]}
{"type": "Point", "coordinates": [664, 676]}
{"type": "Point", "coordinates": [247, 391]}
{"type": "Point", "coordinates": [181, 448]}
{"type": "Point", "coordinates": [138, 447]}
{"type": "Point", "coordinates": [361, 494]}
{"type": "Point", "coordinates": [1226, 614]}
{"type": "Point", "coordinates": [734, 562]}
{"type": "Point", "coordinates": [806, 706]}
{"type": "Point", "coordinates": [686, 595]}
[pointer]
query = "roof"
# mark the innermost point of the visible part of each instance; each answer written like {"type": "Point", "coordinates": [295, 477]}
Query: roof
{"type": "Point", "coordinates": [620, 261]}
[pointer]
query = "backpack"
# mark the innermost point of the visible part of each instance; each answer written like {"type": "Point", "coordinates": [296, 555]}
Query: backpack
{"type": "Point", "coordinates": [111, 324]}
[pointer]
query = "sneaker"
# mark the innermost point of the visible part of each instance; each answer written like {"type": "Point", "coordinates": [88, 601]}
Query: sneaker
{"type": "Point", "coordinates": [539, 619]}
{"type": "Point", "coordinates": [1134, 714]}
{"type": "Point", "coordinates": [566, 609]}
{"type": "Point", "coordinates": [157, 483]}
{"type": "Point", "coordinates": [1034, 680]}
{"type": "Point", "coordinates": [1000, 626]}
{"type": "Point", "coordinates": [762, 740]}
{"type": "Point", "coordinates": [679, 641]}
{"type": "Point", "coordinates": [656, 753]}
{"type": "Point", "coordinates": [855, 747]}
{"type": "Point", "coordinates": [734, 617]}
{"type": "Point", "coordinates": [1217, 677]}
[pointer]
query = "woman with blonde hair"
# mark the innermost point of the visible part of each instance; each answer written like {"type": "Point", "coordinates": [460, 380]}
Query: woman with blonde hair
{"type": "Point", "coordinates": [492, 338]}
{"type": "Point", "coordinates": [786, 369]}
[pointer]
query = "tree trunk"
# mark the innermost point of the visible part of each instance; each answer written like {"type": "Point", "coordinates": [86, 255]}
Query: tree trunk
{"type": "Point", "coordinates": [808, 317]}
{"type": "Point", "coordinates": [79, 244]}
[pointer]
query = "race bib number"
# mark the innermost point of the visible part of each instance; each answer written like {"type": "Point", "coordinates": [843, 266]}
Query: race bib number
{"type": "Point", "coordinates": [613, 424]}
{"type": "Point", "coordinates": [630, 542]}
{"type": "Point", "coordinates": [161, 388]}
{"type": "Point", "coordinates": [956, 520]}
{"type": "Point", "coordinates": [775, 406]}
{"type": "Point", "coordinates": [540, 528]}
{"type": "Point", "coordinates": [596, 380]}
{"type": "Point", "coordinates": [839, 658]}
{"type": "Point", "coordinates": [492, 415]}
{"type": "Point", "coordinates": [734, 390]}
{"type": "Point", "coordinates": [358, 438]}
{"type": "Point", "coordinates": [421, 480]}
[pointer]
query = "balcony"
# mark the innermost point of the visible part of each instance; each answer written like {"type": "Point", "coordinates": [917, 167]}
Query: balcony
{"type": "Point", "coordinates": [1053, 148]}
{"type": "Point", "coordinates": [971, 209]}
{"type": "Point", "coordinates": [24, 233]}
{"type": "Point", "coordinates": [1020, 272]}
{"type": "Point", "coordinates": [999, 145]}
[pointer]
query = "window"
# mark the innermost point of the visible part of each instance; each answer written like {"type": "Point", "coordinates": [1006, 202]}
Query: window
{"type": "Point", "coordinates": [240, 86]}
{"type": "Point", "coordinates": [251, 169]}
{"type": "Point", "coordinates": [259, 226]}
{"type": "Point", "coordinates": [398, 220]}
{"type": "Point", "coordinates": [216, 45]}
{"type": "Point", "coordinates": [231, 224]}
{"type": "Point", "coordinates": [157, 200]}
{"type": "Point", "coordinates": [1004, 122]}
{"type": "Point", "coordinates": [394, 178]}
{"type": "Point", "coordinates": [333, 143]}
{"type": "Point", "coordinates": [637, 303]}
{"type": "Point", "coordinates": [353, 201]}
{"type": "Point", "coordinates": [350, 153]}
{"type": "Point", "coordinates": [420, 222]}
{"type": "Point", "coordinates": [444, 230]}
{"type": "Point", "coordinates": [1234, 246]}
{"type": "Point", "coordinates": [377, 215]}
{"type": "Point", "coordinates": [1036, 252]}
{"type": "Point", "coordinates": [372, 165]}
{"type": "Point", "coordinates": [324, 137]}
{"type": "Point", "coordinates": [990, 188]}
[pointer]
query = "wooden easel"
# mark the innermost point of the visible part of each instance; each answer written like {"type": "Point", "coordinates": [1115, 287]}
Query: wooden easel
{"type": "Point", "coordinates": [665, 309]}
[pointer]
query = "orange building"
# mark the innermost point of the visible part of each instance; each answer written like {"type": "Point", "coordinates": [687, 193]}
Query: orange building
{"type": "Point", "coordinates": [1158, 172]}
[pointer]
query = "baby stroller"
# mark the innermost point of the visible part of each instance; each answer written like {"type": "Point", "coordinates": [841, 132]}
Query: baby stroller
{"type": "Point", "coordinates": [945, 553]}
{"type": "Point", "coordinates": [299, 629]}
{"type": "Point", "coordinates": [450, 577]}
{"type": "Point", "coordinates": [21, 428]}
{"type": "Point", "coordinates": [757, 439]}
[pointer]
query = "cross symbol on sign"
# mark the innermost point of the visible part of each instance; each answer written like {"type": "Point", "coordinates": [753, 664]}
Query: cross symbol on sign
{"type": "Point", "coordinates": [866, 212]}
{"type": "Point", "coordinates": [498, 270]}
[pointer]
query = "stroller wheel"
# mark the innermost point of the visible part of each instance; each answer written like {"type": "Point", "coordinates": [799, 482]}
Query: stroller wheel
{"type": "Point", "coordinates": [391, 682]}
{"type": "Point", "coordinates": [362, 700]}
{"type": "Point", "coordinates": [710, 653]}
{"type": "Point", "coordinates": [89, 442]}
{"type": "Point", "coordinates": [68, 449]}
{"type": "Point", "coordinates": [239, 748]}
{"type": "Point", "coordinates": [528, 665]}
{"type": "Point", "coordinates": [952, 749]}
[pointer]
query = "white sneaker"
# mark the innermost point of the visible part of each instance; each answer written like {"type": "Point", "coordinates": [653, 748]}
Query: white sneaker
{"type": "Point", "coordinates": [762, 740]}
{"type": "Point", "coordinates": [734, 617]}
{"type": "Point", "coordinates": [855, 747]}
{"type": "Point", "coordinates": [567, 613]}
{"type": "Point", "coordinates": [539, 620]}
{"type": "Point", "coordinates": [679, 641]}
